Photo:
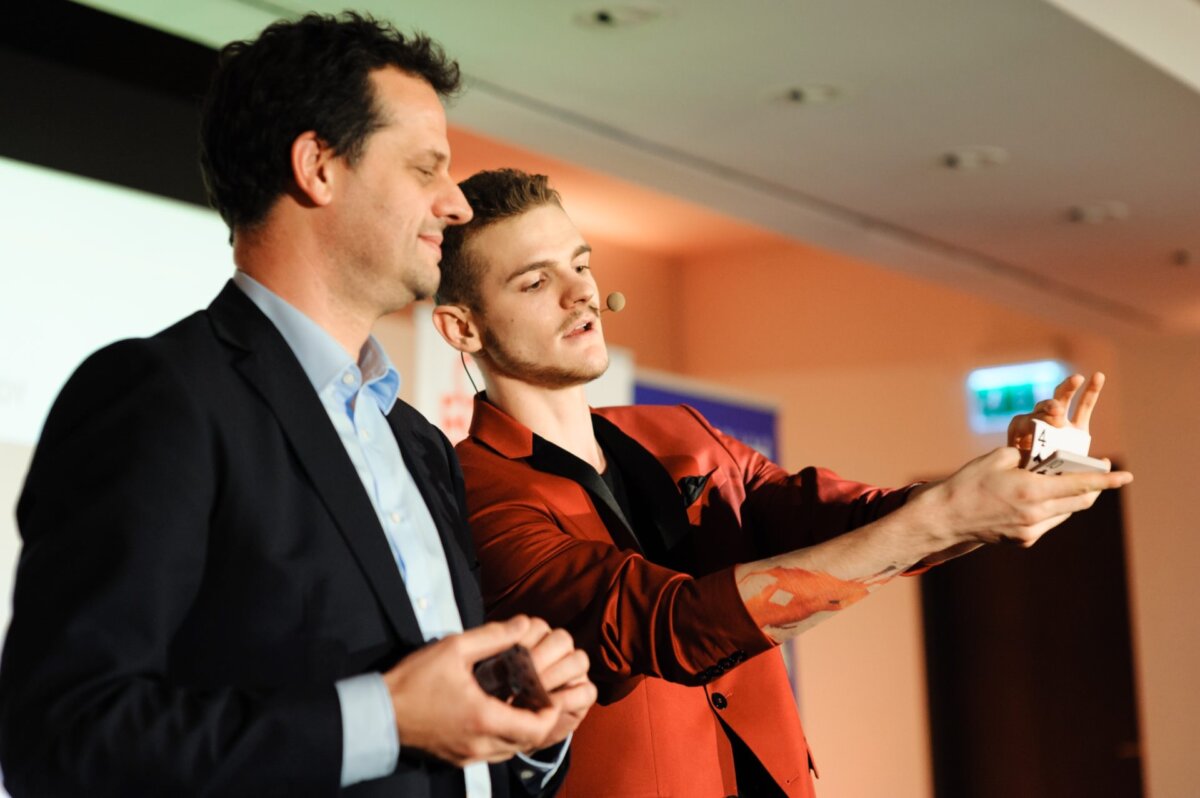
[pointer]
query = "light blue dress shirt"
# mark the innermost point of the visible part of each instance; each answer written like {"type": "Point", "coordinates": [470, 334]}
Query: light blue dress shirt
{"type": "Point", "coordinates": [357, 397]}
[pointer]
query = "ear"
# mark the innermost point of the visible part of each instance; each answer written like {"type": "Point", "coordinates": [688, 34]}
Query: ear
{"type": "Point", "coordinates": [456, 325]}
{"type": "Point", "coordinates": [312, 160]}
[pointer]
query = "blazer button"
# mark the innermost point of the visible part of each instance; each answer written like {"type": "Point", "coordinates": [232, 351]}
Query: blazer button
{"type": "Point", "coordinates": [719, 701]}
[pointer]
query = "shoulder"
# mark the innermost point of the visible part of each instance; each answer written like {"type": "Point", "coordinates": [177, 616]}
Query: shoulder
{"type": "Point", "coordinates": [409, 424]}
{"type": "Point", "coordinates": [669, 421]}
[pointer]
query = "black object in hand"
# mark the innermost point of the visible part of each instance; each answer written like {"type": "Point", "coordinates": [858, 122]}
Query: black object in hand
{"type": "Point", "coordinates": [511, 675]}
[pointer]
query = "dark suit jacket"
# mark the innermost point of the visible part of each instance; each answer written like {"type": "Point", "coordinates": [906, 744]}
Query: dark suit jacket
{"type": "Point", "coordinates": [200, 565]}
{"type": "Point", "coordinates": [676, 656]}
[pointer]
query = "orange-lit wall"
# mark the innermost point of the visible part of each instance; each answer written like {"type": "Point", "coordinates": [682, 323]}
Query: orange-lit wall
{"type": "Point", "coordinates": [1159, 389]}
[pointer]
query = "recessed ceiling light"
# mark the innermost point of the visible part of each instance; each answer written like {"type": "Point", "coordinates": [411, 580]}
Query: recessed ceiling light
{"type": "Point", "coordinates": [609, 17]}
{"type": "Point", "coordinates": [1099, 212]}
{"type": "Point", "coordinates": [813, 94]}
{"type": "Point", "coordinates": [972, 157]}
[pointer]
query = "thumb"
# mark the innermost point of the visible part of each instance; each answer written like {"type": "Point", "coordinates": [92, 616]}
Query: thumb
{"type": "Point", "coordinates": [1004, 457]}
{"type": "Point", "coordinates": [492, 638]}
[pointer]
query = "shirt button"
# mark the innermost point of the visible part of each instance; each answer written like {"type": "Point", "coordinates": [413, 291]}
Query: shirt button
{"type": "Point", "coordinates": [347, 378]}
{"type": "Point", "coordinates": [423, 603]}
{"type": "Point", "coordinates": [395, 518]}
{"type": "Point", "coordinates": [719, 701]}
{"type": "Point", "coordinates": [365, 435]}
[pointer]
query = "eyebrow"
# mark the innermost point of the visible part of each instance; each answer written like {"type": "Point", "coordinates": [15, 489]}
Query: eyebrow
{"type": "Point", "coordinates": [439, 156]}
{"type": "Point", "coordinates": [582, 249]}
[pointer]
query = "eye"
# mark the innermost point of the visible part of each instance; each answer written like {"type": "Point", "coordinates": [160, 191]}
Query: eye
{"type": "Point", "coordinates": [580, 268]}
{"type": "Point", "coordinates": [534, 285]}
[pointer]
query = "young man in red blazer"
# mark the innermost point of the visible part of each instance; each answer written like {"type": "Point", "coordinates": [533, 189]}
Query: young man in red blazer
{"type": "Point", "coordinates": [677, 557]}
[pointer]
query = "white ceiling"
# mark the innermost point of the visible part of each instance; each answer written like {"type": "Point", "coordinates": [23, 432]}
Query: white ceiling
{"type": "Point", "coordinates": [1094, 101]}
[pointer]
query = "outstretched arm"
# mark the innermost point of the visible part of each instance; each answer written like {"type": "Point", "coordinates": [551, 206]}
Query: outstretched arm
{"type": "Point", "coordinates": [989, 500]}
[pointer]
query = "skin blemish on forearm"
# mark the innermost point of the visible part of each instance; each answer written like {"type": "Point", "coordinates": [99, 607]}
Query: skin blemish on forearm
{"type": "Point", "coordinates": [781, 597]}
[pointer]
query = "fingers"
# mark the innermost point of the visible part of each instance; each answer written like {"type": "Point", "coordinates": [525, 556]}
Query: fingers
{"type": "Point", "coordinates": [576, 698]}
{"type": "Point", "coordinates": [1054, 410]}
{"type": "Point", "coordinates": [533, 637]}
{"type": "Point", "coordinates": [566, 670]}
{"type": "Point", "coordinates": [1067, 388]}
{"type": "Point", "coordinates": [513, 729]}
{"type": "Point", "coordinates": [1076, 484]}
{"type": "Point", "coordinates": [492, 638]}
{"type": "Point", "coordinates": [1087, 401]}
{"type": "Point", "coordinates": [1003, 458]}
{"type": "Point", "coordinates": [557, 660]}
{"type": "Point", "coordinates": [1020, 431]}
{"type": "Point", "coordinates": [550, 648]}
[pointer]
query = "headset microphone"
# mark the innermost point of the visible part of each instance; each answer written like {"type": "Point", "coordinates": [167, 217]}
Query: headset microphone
{"type": "Point", "coordinates": [614, 302]}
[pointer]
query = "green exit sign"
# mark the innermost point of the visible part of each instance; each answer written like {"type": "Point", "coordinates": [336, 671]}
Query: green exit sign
{"type": "Point", "coordinates": [997, 393]}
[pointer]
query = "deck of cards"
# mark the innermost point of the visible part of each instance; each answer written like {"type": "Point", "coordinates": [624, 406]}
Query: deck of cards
{"type": "Point", "coordinates": [1061, 450]}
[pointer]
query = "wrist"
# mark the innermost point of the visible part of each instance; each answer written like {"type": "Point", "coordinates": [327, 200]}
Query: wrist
{"type": "Point", "coordinates": [936, 525]}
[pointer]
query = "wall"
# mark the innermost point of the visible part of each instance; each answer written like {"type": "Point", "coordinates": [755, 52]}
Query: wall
{"type": "Point", "coordinates": [1159, 385]}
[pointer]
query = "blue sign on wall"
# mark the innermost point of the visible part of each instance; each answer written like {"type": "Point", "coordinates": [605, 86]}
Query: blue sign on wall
{"type": "Point", "coordinates": [751, 424]}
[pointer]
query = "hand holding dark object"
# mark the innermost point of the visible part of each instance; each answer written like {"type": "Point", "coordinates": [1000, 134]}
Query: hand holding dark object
{"type": "Point", "coordinates": [511, 676]}
{"type": "Point", "coordinates": [442, 710]}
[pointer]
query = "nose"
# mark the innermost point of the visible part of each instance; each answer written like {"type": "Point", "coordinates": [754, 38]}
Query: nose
{"type": "Point", "coordinates": [579, 288]}
{"type": "Point", "coordinates": [451, 206]}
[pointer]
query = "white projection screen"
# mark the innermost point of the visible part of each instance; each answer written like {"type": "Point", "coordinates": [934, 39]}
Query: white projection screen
{"type": "Point", "coordinates": [82, 264]}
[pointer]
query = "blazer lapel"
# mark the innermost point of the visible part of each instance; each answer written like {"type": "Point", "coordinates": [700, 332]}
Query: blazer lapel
{"type": "Point", "coordinates": [647, 476]}
{"type": "Point", "coordinates": [498, 431]}
{"type": "Point", "coordinates": [551, 459]}
{"type": "Point", "coordinates": [427, 457]}
{"type": "Point", "coordinates": [267, 363]}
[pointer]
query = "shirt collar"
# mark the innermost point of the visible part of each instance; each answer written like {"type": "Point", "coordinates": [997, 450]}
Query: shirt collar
{"type": "Point", "coordinates": [323, 359]}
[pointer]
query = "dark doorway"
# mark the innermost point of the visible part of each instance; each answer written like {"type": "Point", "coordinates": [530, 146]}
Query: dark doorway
{"type": "Point", "coordinates": [1030, 667]}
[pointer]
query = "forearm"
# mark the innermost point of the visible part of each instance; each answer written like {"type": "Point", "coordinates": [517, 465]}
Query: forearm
{"type": "Point", "coordinates": [792, 592]}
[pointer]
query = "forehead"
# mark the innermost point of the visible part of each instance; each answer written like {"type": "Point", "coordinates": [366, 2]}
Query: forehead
{"type": "Point", "coordinates": [544, 234]}
{"type": "Point", "coordinates": [408, 105]}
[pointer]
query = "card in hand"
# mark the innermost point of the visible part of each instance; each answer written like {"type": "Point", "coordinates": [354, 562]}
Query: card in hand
{"type": "Point", "coordinates": [1070, 463]}
{"type": "Point", "coordinates": [511, 675]}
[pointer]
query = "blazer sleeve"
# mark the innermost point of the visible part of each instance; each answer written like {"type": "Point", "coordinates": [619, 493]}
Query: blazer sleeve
{"type": "Point", "coordinates": [632, 616]}
{"type": "Point", "coordinates": [115, 518]}
{"type": "Point", "coordinates": [785, 512]}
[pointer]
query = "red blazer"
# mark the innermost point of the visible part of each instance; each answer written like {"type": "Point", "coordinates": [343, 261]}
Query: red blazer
{"type": "Point", "coordinates": [674, 652]}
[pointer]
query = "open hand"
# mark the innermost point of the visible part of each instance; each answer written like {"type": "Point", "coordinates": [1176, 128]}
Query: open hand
{"type": "Point", "coordinates": [1053, 411]}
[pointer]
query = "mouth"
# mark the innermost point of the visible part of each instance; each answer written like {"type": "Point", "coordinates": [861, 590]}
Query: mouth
{"type": "Point", "coordinates": [434, 240]}
{"type": "Point", "coordinates": [581, 326]}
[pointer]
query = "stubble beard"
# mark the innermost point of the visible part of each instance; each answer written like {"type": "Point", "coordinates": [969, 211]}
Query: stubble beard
{"type": "Point", "coordinates": [507, 364]}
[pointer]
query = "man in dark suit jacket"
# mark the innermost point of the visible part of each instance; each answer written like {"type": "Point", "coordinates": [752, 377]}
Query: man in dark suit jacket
{"type": "Point", "coordinates": [677, 556]}
{"type": "Point", "coordinates": [240, 547]}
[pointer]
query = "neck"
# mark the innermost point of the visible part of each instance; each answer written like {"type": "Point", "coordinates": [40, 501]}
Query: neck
{"type": "Point", "coordinates": [560, 415]}
{"type": "Point", "coordinates": [297, 270]}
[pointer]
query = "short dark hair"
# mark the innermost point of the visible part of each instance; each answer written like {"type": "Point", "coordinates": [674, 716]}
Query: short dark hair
{"type": "Point", "coordinates": [493, 195]}
{"type": "Point", "coordinates": [308, 74]}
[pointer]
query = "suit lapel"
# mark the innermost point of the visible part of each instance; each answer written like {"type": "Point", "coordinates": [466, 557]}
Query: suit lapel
{"type": "Point", "coordinates": [551, 459]}
{"type": "Point", "coordinates": [645, 475]}
{"type": "Point", "coordinates": [503, 434]}
{"type": "Point", "coordinates": [427, 457]}
{"type": "Point", "coordinates": [267, 363]}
